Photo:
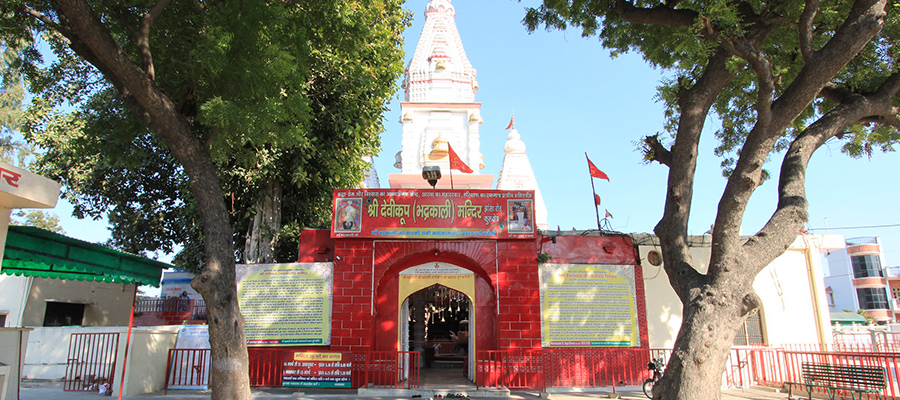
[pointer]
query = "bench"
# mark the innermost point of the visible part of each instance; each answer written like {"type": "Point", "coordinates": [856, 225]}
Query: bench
{"type": "Point", "coordinates": [850, 378]}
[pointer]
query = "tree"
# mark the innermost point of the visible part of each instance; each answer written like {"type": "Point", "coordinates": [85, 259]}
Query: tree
{"type": "Point", "coordinates": [779, 76]}
{"type": "Point", "coordinates": [13, 151]}
{"type": "Point", "coordinates": [206, 86]}
{"type": "Point", "coordinates": [11, 94]}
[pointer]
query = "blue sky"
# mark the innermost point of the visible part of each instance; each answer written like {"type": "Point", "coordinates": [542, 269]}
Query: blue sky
{"type": "Point", "coordinates": [570, 97]}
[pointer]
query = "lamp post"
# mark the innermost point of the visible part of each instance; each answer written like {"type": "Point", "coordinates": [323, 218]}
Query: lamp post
{"type": "Point", "coordinates": [431, 173]}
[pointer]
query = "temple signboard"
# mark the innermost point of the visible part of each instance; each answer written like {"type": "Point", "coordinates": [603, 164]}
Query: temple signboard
{"type": "Point", "coordinates": [433, 214]}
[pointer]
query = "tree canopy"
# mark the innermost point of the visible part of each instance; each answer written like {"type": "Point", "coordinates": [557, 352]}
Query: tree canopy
{"type": "Point", "coordinates": [779, 76]}
{"type": "Point", "coordinates": [302, 111]}
{"type": "Point", "coordinates": [178, 105]}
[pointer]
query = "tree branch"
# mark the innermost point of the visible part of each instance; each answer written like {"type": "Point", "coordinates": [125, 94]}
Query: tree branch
{"type": "Point", "coordinates": [864, 20]}
{"type": "Point", "coordinates": [47, 21]}
{"type": "Point", "coordinates": [806, 28]}
{"type": "Point", "coordinates": [143, 36]}
{"type": "Point", "coordinates": [694, 104]}
{"type": "Point", "coordinates": [655, 151]}
{"type": "Point", "coordinates": [791, 212]}
{"type": "Point", "coordinates": [659, 15]}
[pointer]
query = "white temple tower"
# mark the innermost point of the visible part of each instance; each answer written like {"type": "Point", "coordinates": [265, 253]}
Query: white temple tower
{"type": "Point", "coordinates": [440, 107]}
{"type": "Point", "coordinates": [517, 174]}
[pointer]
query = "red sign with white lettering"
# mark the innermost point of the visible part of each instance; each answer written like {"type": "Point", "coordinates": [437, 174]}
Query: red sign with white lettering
{"type": "Point", "coordinates": [433, 214]}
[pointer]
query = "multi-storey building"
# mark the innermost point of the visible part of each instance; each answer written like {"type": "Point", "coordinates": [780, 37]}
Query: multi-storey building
{"type": "Point", "coordinates": [857, 280]}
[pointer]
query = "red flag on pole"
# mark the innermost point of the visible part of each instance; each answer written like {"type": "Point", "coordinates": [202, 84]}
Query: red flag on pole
{"type": "Point", "coordinates": [608, 215]}
{"type": "Point", "coordinates": [595, 172]}
{"type": "Point", "coordinates": [512, 121]}
{"type": "Point", "coordinates": [596, 199]}
{"type": "Point", "coordinates": [457, 163]}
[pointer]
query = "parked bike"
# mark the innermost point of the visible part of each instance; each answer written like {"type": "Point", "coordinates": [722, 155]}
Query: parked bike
{"type": "Point", "coordinates": [655, 365]}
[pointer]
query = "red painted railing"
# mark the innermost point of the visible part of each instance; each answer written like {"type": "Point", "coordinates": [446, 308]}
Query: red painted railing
{"type": "Point", "coordinates": [187, 368]}
{"type": "Point", "coordinates": [513, 369]}
{"type": "Point", "coordinates": [563, 367]}
{"type": "Point", "coordinates": [266, 365]}
{"type": "Point", "coordinates": [386, 370]}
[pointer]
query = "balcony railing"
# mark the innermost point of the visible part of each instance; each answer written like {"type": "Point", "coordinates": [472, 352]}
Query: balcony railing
{"type": "Point", "coordinates": [168, 311]}
{"type": "Point", "coordinates": [861, 240]}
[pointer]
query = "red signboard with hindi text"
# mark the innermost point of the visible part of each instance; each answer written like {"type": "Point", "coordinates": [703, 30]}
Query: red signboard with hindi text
{"type": "Point", "coordinates": [433, 214]}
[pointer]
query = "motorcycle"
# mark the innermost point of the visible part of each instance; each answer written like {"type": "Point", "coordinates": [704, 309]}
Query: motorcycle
{"type": "Point", "coordinates": [655, 365]}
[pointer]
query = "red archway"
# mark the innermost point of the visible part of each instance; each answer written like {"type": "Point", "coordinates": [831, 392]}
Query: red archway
{"type": "Point", "coordinates": [392, 257]}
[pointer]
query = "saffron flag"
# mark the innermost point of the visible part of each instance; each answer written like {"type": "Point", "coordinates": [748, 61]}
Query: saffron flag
{"type": "Point", "coordinates": [596, 199]}
{"type": "Point", "coordinates": [457, 163]}
{"type": "Point", "coordinates": [512, 121]}
{"type": "Point", "coordinates": [595, 172]}
{"type": "Point", "coordinates": [608, 215]}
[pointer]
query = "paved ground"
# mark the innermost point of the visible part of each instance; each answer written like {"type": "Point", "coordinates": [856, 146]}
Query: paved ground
{"type": "Point", "coordinates": [53, 390]}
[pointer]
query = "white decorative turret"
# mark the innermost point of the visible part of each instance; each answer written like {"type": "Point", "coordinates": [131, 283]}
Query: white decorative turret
{"type": "Point", "coordinates": [440, 103]}
{"type": "Point", "coordinates": [371, 180]}
{"type": "Point", "coordinates": [517, 174]}
{"type": "Point", "coordinates": [440, 72]}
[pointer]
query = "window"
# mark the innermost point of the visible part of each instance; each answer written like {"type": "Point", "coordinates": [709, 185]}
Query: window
{"type": "Point", "coordinates": [2, 320]}
{"type": "Point", "coordinates": [63, 314]}
{"type": "Point", "coordinates": [872, 298]}
{"type": "Point", "coordinates": [750, 332]}
{"type": "Point", "coordinates": [866, 266]}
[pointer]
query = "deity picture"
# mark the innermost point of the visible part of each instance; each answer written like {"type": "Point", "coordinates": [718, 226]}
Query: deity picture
{"type": "Point", "coordinates": [521, 217]}
{"type": "Point", "coordinates": [347, 215]}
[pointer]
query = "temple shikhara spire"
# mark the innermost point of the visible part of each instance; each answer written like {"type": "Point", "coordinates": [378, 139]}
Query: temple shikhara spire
{"type": "Point", "coordinates": [440, 112]}
{"type": "Point", "coordinates": [517, 174]}
{"type": "Point", "coordinates": [440, 108]}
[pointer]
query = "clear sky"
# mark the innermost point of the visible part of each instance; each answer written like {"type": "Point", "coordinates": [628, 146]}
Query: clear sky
{"type": "Point", "coordinates": [570, 97]}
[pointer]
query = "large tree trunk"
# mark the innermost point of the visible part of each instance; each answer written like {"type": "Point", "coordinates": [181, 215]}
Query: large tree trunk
{"type": "Point", "coordinates": [229, 378]}
{"type": "Point", "coordinates": [710, 321]}
{"type": "Point", "coordinates": [262, 236]}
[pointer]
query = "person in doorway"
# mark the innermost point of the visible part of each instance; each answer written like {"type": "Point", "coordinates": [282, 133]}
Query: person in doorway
{"type": "Point", "coordinates": [461, 338]}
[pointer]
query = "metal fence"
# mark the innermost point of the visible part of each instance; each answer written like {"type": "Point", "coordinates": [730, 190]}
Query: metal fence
{"type": "Point", "coordinates": [561, 368]}
{"type": "Point", "coordinates": [91, 361]}
{"type": "Point", "coordinates": [187, 369]}
{"type": "Point", "coordinates": [556, 368]}
{"type": "Point", "coordinates": [386, 370]}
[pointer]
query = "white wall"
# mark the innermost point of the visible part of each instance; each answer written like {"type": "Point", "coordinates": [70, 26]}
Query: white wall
{"type": "Point", "coordinates": [13, 342]}
{"type": "Point", "coordinates": [787, 287]}
{"type": "Point", "coordinates": [48, 349]}
{"type": "Point", "coordinates": [14, 289]}
{"type": "Point", "coordinates": [840, 279]}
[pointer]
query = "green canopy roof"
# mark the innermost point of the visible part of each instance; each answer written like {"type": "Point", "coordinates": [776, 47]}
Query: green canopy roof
{"type": "Point", "coordinates": [847, 318]}
{"type": "Point", "coordinates": [39, 253]}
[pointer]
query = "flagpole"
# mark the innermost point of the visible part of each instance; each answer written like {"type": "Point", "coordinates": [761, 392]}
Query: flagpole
{"type": "Point", "coordinates": [593, 192]}
{"type": "Point", "coordinates": [451, 177]}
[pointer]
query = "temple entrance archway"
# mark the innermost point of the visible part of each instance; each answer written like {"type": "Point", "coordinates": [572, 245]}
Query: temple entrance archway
{"type": "Point", "coordinates": [436, 306]}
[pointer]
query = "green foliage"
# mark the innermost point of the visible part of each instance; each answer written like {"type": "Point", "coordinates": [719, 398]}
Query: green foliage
{"type": "Point", "coordinates": [38, 219]}
{"type": "Point", "coordinates": [285, 91]}
{"type": "Point", "coordinates": [683, 50]}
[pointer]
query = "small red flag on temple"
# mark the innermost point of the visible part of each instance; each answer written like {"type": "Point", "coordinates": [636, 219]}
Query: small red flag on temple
{"type": "Point", "coordinates": [457, 163]}
{"type": "Point", "coordinates": [595, 172]}
{"type": "Point", "coordinates": [608, 215]}
{"type": "Point", "coordinates": [596, 199]}
{"type": "Point", "coordinates": [512, 121]}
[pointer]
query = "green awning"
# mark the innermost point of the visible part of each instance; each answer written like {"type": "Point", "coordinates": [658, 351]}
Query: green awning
{"type": "Point", "coordinates": [846, 318]}
{"type": "Point", "coordinates": [42, 254]}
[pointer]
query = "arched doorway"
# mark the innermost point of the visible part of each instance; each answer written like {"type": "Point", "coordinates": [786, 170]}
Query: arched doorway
{"type": "Point", "coordinates": [436, 306]}
{"type": "Point", "coordinates": [438, 326]}
{"type": "Point", "coordinates": [406, 267]}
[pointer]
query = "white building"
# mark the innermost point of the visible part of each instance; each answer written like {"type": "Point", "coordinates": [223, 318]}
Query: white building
{"type": "Point", "coordinates": [791, 288]}
{"type": "Point", "coordinates": [856, 280]}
